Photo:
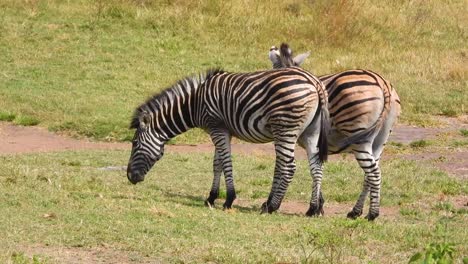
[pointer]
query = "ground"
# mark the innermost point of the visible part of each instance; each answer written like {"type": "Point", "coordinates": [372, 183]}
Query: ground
{"type": "Point", "coordinates": [19, 140]}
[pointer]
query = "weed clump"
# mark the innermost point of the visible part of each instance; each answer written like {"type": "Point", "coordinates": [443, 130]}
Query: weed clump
{"type": "Point", "coordinates": [419, 143]}
{"type": "Point", "coordinates": [25, 120]}
{"type": "Point", "coordinates": [7, 116]}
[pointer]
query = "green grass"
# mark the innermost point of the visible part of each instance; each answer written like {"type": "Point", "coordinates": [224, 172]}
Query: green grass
{"type": "Point", "coordinates": [464, 132]}
{"type": "Point", "coordinates": [420, 143]}
{"type": "Point", "coordinates": [7, 116]}
{"type": "Point", "coordinates": [83, 66]}
{"type": "Point", "coordinates": [22, 120]}
{"type": "Point", "coordinates": [25, 120]}
{"type": "Point", "coordinates": [21, 258]}
{"type": "Point", "coordinates": [68, 200]}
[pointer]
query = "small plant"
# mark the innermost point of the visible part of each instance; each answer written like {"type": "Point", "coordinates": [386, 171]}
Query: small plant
{"type": "Point", "coordinates": [449, 112]}
{"type": "Point", "coordinates": [7, 116]}
{"type": "Point", "coordinates": [259, 194]}
{"type": "Point", "coordinates": [435, 253]}
{"type": "Point", "coordinates": [396, 144]}
{"type": "Point", "coordinates": [445, 206]}
{"type": "Point", "coordinates": [24, 120]}
{"type": "Point", "coordinates": [21, 258]}
{"type": "Point", "coordinates": [459, 143]}
{"type": "Point", "coordinates": [222, 194]}
{"type": "Point", "coordinates": [419, 143]}
{"type": "Point", "coordinates": [409, 212]}
{"type": "Point", "coordinates": [464, 132]}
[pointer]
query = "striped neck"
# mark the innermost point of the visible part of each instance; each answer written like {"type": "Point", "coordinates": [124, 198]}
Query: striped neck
{"type": "Point", "coordinates": [176, 109]}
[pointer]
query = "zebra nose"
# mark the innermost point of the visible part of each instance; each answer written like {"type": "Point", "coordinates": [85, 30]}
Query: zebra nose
{"type": "Point", "coordinates": [135, 177]}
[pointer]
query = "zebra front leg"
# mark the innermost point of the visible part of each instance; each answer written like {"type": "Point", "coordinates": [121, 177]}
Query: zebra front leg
{"type": "Point", "coordinates": [217, 170]}
{"type": "Point", "coordinates": [371, 184]}
{"type": "Point", "coordinates": [284, 172]}
{"type": "Point", "coordinates": [274, 186]}
{"type": "Point", "coordinates": [222, 141]}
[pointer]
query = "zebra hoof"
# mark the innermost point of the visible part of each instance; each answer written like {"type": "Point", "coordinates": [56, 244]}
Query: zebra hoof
{"type": "Point", "coordinates": [266, 208]}
{"type": "Point", "coordinates": [372, 216]}
{"type": "Point", "coordinates": [354, 214]}
{"type": "Point", "coordinates": [314, 210]}
{"type": "Point", "coordinates": [227, 206]}
{"type": "Point", "coordinates": [209, 203]}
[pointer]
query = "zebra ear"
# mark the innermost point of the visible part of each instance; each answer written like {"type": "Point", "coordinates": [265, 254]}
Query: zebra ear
{"type": "Point", "coordinates": [144, 119]}
{"type": "Point", "coordinates": [299, 59]}
{"type": "Point", "coordinates": [274, 56]}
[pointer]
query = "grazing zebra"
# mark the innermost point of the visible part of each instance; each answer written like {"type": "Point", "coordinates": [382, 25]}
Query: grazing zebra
{"type": "Point", "coordinates": [363, 109]}
{"type": "Point", "coordinates": [286, 106]}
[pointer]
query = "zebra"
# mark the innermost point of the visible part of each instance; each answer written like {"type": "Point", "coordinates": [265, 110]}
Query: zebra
{"type": "Point", "coordinates": [286, 106]}
{"type": "Point", "coordinates": [363, 109]}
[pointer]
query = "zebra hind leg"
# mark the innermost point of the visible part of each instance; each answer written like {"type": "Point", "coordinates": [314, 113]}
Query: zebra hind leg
{"type": "Point", "coordinates": [217, 171]}
{"type": "Point", "coordinates": [372, 181]}
{"type": "Point", "coordinates": [317, 201]}
{"type": "Point", "coordinates": [309, 141]}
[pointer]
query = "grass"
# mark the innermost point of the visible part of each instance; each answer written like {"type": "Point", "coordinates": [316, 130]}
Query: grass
{"type": "Point", "coordinates": [419, 143]}
{"type": "Point", "coordinates": [464, 132]}
{"type": "Point", "coordinates": [83, 66]}
{"type": "Point", "coordinates": [25, 120]}
{"type": "Point", "coordinates": [7, 116]}
{"type": "Point", "coordinates": [22, 120]}
{"type": "Point", "coordinates": [68, 200]}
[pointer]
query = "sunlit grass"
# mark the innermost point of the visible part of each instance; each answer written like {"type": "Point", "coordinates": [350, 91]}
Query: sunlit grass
{"type": "Point", "coordinates": [83, 66]}
{"type": "Point", "coordinates": [73, 199]}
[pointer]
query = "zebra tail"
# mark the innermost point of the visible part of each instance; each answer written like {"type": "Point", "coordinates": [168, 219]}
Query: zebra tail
{"type": "Point", "coordinates": [323, 136]}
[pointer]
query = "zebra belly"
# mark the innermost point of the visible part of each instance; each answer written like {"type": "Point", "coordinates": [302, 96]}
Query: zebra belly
{"type": "Point", "coordinates": [257, 132]}
{"type": "Point", "coordinates": [333, 138]}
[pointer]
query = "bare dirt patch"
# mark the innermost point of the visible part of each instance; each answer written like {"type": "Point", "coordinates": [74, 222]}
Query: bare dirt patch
{"type": "Point", "coordinates": [331, 209]}
{"type": "Point", "coordinates": [19, 139]}
{"type": "Point", "coordinates": [455, 163]}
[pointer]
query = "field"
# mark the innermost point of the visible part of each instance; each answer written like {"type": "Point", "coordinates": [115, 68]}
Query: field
{"type": "Point", "coordinates": [70, 199]}
{"type": "Point", "coordinates": [79, 69]}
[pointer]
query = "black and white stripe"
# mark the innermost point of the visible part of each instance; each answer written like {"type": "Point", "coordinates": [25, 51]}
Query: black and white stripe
{"type": "Point", "coordinates": [363, 108]}
{"type": "Point", "coordinates": [286, 106]}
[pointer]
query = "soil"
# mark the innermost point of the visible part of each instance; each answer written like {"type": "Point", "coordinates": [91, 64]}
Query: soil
{"type": "Point", "coordinates": [19, 140]}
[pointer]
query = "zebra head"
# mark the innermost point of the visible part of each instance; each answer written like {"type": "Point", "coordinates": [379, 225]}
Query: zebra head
{"type": "Point", "coordinates": [283, 57]}
{"type": "Point", "coordinates": [147, 146]}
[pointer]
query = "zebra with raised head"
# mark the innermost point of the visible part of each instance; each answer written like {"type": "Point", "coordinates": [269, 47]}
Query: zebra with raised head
{"type": "Point", "coordinates": [363, 108]}
{"type": "Point", "coordinates": [286, 106]}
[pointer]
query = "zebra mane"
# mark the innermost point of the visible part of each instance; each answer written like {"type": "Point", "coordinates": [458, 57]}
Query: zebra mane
{"type": "Point", "coordinates": [185, 83]}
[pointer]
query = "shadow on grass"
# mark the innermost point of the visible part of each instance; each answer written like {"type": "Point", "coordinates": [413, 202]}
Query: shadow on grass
{"type": "Point", "coordinates": [199, 201]}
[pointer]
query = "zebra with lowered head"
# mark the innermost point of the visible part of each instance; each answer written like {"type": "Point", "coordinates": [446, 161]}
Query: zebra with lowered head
{"type": "Point", "coordinates": [363, 108]}
{"type": "Point", "coordinates": [286, 106]}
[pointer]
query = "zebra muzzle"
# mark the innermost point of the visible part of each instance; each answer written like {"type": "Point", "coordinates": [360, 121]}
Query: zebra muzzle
{"type": "Point", "coordinates": [135, 177]}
